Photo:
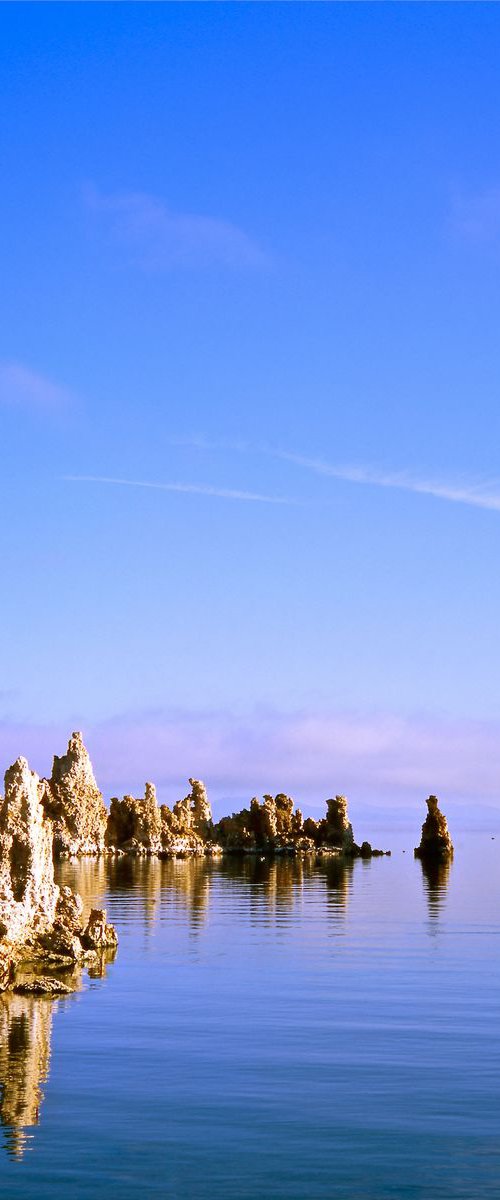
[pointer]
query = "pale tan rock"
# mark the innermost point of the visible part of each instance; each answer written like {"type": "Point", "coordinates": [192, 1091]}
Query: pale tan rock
{"type": "Point", "coordinates": [69, 910]}
{"type": "Point", "coordinates": [98, 935]}
{"type": "Point", "coordinates": [36, 917]}
{"type": "Point", "coordinates": [43, 985]}
{"type": "Point", "coordinates": [75, 804]}
{"type": "Point", "coordinates": [135, 825]}
{"type": "Point", "coordinates": [28, 892]}
{"type": "Point", "coordinates": [7, 968]}
{"type": "Point", "coordinates": [187, 828]}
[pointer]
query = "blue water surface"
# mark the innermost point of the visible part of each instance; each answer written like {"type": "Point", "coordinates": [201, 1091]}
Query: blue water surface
{"type": "Point", "coordinates": [268, 1029]}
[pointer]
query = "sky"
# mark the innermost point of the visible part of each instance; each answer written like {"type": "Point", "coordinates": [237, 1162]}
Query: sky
{"type": "Point", "coordinates": [249, 398]}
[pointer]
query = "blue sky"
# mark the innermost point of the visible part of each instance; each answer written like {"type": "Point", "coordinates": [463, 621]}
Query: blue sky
{"type": "Point", "coordinates": [250, 254]}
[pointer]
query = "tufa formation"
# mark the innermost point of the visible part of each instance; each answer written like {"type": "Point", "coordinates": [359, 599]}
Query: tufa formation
{"type": "Point", "coordinates": [74, 802]}
{"type": "Point", "coordinates": [66, 815]}
{"type": "Point", "coordinates": [40, 923]}
{"type": "Point", "coordinates": [435, 843]}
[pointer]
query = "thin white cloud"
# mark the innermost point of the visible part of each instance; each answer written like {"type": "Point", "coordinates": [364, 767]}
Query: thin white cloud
{"type": "Point", "coordinates": [477, 494]}
{"type": "Point", "coordinates": [160, 239]}
{"type": "Point", "coordinates": [21, 387]}
{"type": "Point", "coordinates": [199, 489]}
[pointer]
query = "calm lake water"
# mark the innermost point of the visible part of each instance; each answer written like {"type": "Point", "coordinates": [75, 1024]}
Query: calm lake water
{"type": "Point", "coordinates": [268, 1030]}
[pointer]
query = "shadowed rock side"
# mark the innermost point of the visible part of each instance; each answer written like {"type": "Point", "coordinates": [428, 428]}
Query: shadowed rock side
{"type": "Point", "coordinates": [40, 923]}
{"type": "Point", "coordinates": [75, 804]}
{"type": "Point", "coordinates": [435, 843]}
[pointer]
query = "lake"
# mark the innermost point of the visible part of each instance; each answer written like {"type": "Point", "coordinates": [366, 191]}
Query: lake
{"type": "Point", "coordinates": [268, 1029]}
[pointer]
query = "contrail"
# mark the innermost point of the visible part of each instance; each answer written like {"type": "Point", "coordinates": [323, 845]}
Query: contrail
{"type": "Point", "coordinates": [199, 489]}
{"type": "Point", "coordinates": [475, 494]}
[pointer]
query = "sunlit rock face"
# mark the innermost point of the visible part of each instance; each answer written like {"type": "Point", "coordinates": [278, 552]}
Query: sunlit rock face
{"type": "Point", "coordinates": [28, 893]}
{"type": "Point", "coordinates": [188, 827]}
{"type": "Point", "coordinates": [435, 842]}
{"type": "Point", "coordinates": [135, 825]}
{"type": "Point", "coordinates": [38, 921]}
{"type": "Point", "coordinates": [98, 935]}
{"type": "Point", "coordinates": [74, 802]}
{"type": "Point", "coordinates": [268, 825]}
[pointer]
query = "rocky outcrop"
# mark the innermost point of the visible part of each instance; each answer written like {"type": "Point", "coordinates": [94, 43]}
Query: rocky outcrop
{"type": "Point", "coordinates": [435, 843]}
{"type": "Point", "coordinates": [82, 826]}
{"type": "Point", "coordinates": [271, 825]}
{"type": "Point", "coordinates": [28, 893]}
{"type": "Point", "coordinates": [72, 799]}
{"type": "Point", "coordinates": [188, 827]}
{"type": "Point", "coordinates": [274, 826]}
{"type": "Point", "coordinates": [98, 935]}
{"type": "Point", "coordinates": [338, 828]}
{"type": "Point", "coordinates": [39, 922]}
{"type": "Point", "coordinates": [135, 825]}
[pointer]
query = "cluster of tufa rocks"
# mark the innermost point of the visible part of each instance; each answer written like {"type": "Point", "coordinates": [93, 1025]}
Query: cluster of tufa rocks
{"type": "Point", "coordinates": [142, 827]}
{"type": "Point", "coordinates": [74, 821]}
{"type": "Point", "coordinates": [66, 816]}
{"type": "Point", "coordinates": [40, 923]}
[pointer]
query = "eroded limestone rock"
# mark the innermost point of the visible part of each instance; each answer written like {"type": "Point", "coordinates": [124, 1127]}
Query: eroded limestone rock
{"type": "Point", "coordinates": [38, 921]}
{"type": "Point", "coordinates": [98, 935]}
{"type": "Point", "coordinates": [72, 799]}
{"type": "Point", "coordinates": [272, 825]}
{"type": "Point", "coordinates": [7, 968]}
{"type": "Point", "coordinates": [188, 827]}
{"type": "Point", "coordinates": [43, 985]}
{"type": "Point", "coordinates": [135, 825]}
{"type": "Point", "coordinates": [338, 828]}
{"type": "Point", "coordinates": [28, 893]}
{"type": "Point", "coordinates": [435, 842]}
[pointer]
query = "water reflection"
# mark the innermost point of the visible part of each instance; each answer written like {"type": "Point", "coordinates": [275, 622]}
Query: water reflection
{"type": "Point", "coordinates": [435, 877]}
{"type": "Point", "coordinates": [338, 874]}
{"type": "Point", "coordinates": [25, 1040]}
{"type": "Point", "coordinates": [269, 889]}
{"type": "Point", "coordinates": [25, 1034]}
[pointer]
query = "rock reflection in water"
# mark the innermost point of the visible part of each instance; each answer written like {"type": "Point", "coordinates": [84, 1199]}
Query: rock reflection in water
{"type": "Point", "coordinates": [25, 1033]}
{"type": "Point", "coordinates": [25, 1041]}
{"type": "Point", "coordinates": [337, 873]}
{"type": "Point", "coordinates": [435, 876]}
{"type": "Point", "coordinates": [185, 883]}
{"type": "Point", "coordinates": [270, 889]}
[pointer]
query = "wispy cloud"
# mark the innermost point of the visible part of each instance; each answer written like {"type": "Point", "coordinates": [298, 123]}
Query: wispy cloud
{"type": "Point", "coordinates": [159, 239]}
{"type": "Point", "coordinates": [199, 489]}
{"type": "Point", "coordinates": [477, 494]}
{"type": "Point", "coordinates": [21, 387]}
